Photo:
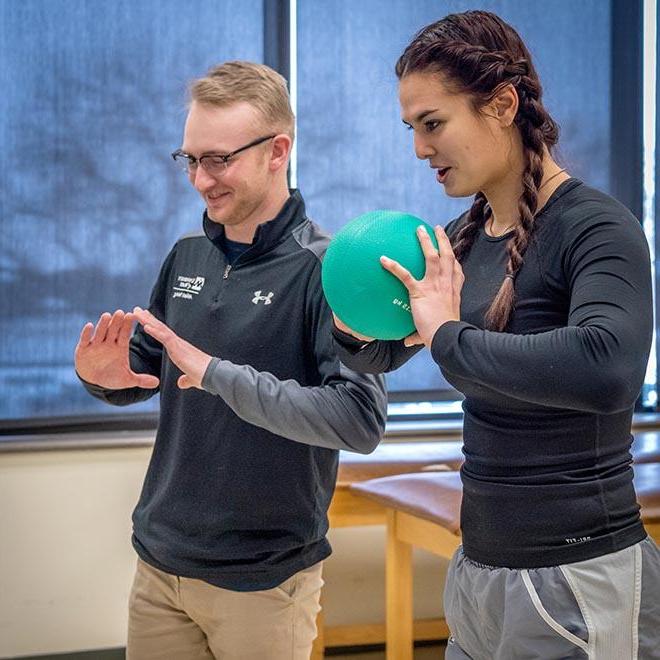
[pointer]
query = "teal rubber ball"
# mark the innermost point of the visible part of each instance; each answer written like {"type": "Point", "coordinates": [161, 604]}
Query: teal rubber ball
{"type": "Point", "coordinates": [362, 294]}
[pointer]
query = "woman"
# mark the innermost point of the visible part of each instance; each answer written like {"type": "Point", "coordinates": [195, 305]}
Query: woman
{"type": "Point", "coordinates": [541, 315]}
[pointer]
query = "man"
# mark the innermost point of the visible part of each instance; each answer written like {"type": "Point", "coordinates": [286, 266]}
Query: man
{"type": "Point", "coordinates": [230, 526]}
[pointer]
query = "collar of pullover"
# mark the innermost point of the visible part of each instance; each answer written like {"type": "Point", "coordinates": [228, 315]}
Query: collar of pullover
{"type": "Point", "coordinates": [269, 233]}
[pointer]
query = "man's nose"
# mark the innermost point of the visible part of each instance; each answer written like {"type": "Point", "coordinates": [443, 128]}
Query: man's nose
{"type": "Point", "coordinates": [201, 179]}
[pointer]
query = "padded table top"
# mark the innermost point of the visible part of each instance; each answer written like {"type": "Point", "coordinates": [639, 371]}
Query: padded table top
{"type": "Point", "coordinates": [399, 458]}
{"type": "Point", "coordinates": [436, 496]}
{"type": "Point", "coordinates": [403, 457]}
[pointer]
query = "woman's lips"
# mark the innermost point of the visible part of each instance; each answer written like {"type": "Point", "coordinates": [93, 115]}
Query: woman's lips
{"type": "Point", "coordinates": [442, 173]}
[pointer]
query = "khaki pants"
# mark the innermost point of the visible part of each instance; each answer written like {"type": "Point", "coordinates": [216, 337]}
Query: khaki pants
{"type": "Point", "coordinates": [177, 618]}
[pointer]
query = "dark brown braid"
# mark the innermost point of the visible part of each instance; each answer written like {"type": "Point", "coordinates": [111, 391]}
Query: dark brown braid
{"type": "Point", "coordinates": [468, 232]}
{"type": "Point", "coordinates": [477, 53]}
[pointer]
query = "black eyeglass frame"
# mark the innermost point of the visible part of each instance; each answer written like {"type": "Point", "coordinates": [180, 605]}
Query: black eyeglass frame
{"type": "Point", "coordinates": [192, 162]}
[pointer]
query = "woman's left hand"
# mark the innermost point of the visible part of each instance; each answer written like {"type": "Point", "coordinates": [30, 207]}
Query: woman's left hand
{"type": "Point", "coordinates": [436, 298]}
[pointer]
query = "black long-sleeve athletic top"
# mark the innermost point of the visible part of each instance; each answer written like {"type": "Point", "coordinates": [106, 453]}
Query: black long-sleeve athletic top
{"type": "Point", "coordinates": [242, 473]}
{"type": "Point", "coordinates": [548, 403]}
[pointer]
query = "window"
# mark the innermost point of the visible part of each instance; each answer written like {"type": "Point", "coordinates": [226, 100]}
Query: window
{"type": "Point", "coordinates": [93, 103]}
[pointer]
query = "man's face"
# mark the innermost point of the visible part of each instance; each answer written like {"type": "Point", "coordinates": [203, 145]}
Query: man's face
{"type": "Point", "coordinates": [241, 191]}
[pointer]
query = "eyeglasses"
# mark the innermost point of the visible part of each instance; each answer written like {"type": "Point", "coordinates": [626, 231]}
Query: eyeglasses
{"type": "Point", "coordinates": [213, 164]}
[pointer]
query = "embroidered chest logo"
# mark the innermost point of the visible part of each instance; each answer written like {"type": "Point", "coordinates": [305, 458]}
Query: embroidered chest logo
{"type": "Point", "coordinates": [266, 300]}
{"type": "Point", "coordinates": [187, 287]}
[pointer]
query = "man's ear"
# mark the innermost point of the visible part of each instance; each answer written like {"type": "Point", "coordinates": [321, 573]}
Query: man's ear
{"type": "Point", "coordinates": [280, 151]}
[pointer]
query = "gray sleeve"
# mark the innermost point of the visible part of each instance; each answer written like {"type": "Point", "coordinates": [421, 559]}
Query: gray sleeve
{"type": "Point", "coordinates": [348, 413]}
{"type": "Point", "coordinates": [346, 410]}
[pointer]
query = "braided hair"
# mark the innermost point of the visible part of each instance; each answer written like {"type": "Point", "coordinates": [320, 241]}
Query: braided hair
{"type": "Point", "coordinates": [477, 53]}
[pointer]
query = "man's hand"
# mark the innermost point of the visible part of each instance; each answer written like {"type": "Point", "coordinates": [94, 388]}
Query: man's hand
{"type": "Point", "coordinates": [101, 355]}
{"type": "Point", "coordinates": [189, 359]}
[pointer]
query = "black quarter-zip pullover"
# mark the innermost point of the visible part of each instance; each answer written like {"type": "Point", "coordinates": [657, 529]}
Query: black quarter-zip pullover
{"type": "Point", "coordinates": [242, 473]}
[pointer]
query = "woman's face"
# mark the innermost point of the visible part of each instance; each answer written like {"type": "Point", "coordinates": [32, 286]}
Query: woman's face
{"type": "Point", "coordinates": [470, 150]}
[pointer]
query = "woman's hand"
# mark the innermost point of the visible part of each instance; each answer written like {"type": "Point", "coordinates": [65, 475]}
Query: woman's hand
{"type": "Point", "coordinates": [436, 298]}
{"type": "Point", "coordinates": [344, 328]}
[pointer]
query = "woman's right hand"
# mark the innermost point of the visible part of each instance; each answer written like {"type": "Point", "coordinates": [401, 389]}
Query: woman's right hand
{"type": "Point", "coordinates": [102, 354]}
{"type": "Point", "coordinates": [410, 340]}
{"type": "Point", "coordinates": [344, 328]}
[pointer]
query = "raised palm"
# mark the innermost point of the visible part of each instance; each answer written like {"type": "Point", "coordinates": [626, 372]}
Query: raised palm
{"type": "Point", "coordinates": [101, 355]}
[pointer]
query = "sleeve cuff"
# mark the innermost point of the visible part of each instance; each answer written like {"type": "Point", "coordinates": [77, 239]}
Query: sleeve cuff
{"type": "Point", "coordinates": [349, 342]}
{"type": "Point", "coordinates": [95, 389]}
{"type": "Point", "coordinates": [208, 378]}
{"type": "Point", "coordinates": [445, 339]}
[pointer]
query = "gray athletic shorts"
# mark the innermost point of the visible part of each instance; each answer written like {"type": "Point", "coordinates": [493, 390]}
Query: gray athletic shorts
{"type": "Point", "coordinates": [607, 608]}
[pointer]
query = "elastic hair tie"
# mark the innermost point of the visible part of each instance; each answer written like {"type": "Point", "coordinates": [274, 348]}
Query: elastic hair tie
{"type": "Point", "coordinates": [511, 277]}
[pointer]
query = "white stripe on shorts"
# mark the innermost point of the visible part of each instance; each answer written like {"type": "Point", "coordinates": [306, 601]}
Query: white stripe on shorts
{"type": "Point", "coordinates": [593, 582]}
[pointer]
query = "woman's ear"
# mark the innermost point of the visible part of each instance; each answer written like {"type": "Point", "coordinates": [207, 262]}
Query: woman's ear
{"type": "Point", "coordinates": [504, 105]}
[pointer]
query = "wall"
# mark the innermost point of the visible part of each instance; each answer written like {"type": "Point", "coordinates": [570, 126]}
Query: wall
{"type": "Point", "coordinates": [66, 561]}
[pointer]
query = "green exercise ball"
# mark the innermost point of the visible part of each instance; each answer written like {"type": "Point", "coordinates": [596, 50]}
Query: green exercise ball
{"type": "Point", "coordinates": [362, 294]}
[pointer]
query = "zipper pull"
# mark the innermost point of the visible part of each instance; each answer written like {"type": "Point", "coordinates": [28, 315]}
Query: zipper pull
{"type": "Point", "coordinates": [226, 273]}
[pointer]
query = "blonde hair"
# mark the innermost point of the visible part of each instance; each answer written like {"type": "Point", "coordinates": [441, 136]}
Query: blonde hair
{"type": "Point", "coordinates": [256, 84]}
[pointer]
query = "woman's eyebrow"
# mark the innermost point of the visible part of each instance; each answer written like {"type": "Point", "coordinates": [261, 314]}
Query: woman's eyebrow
{"type": "Point", "coordinates": [421, 115]}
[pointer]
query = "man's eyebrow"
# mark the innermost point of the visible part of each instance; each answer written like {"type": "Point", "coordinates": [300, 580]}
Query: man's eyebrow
{"type": "Point", "coordinates": [213, 152]}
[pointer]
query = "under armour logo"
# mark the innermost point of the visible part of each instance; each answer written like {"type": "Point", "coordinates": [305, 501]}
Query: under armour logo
{"type": "Point", "coordinates": [266, 300]}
